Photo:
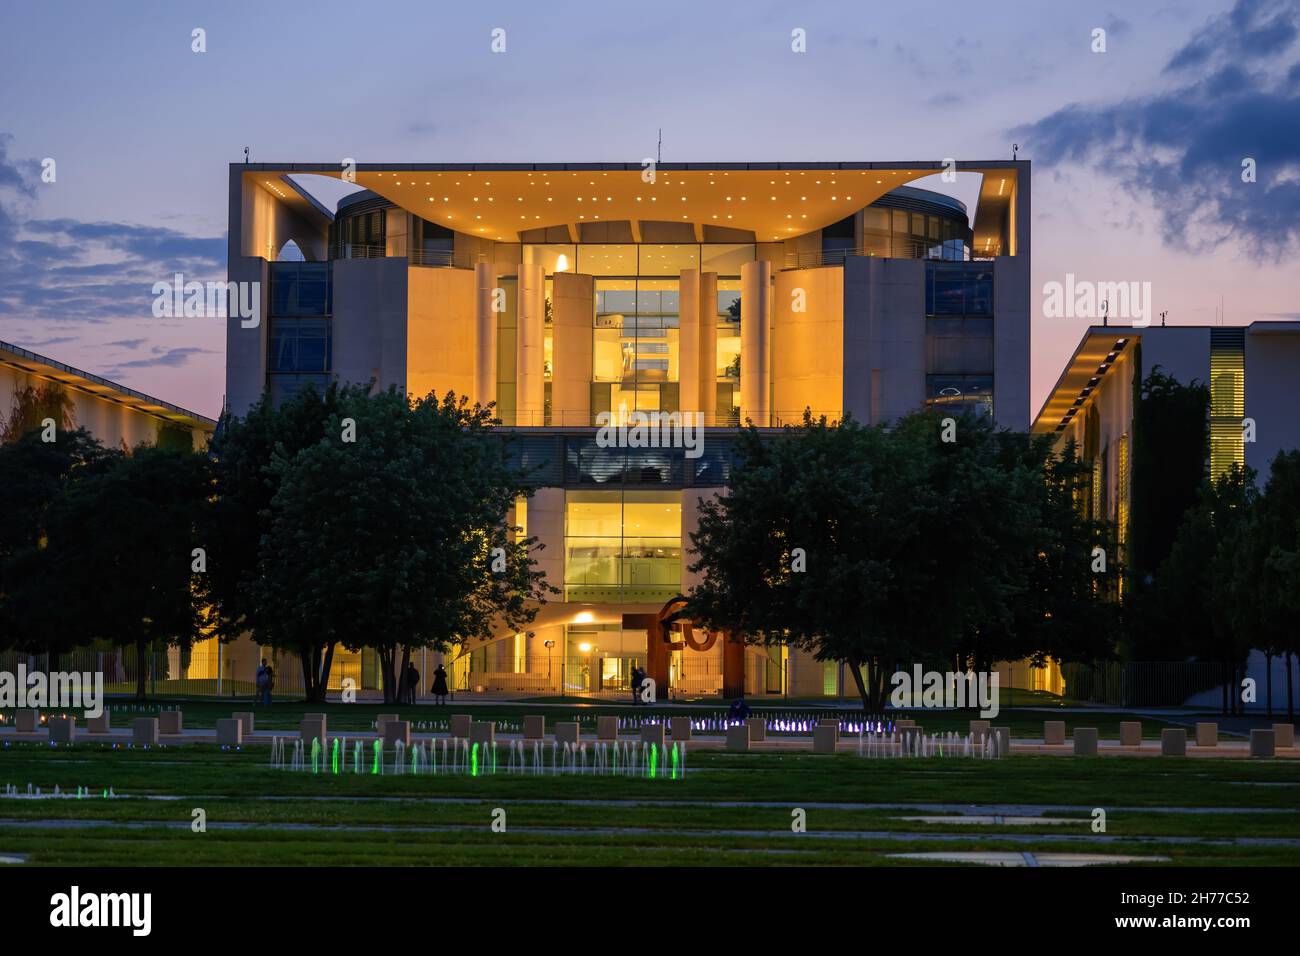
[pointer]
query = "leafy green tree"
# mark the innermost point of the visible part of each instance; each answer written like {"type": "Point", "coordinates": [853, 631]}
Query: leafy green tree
{"type": "Point", "coordinates": [33, 475]}
{"type": "Point", "coordinates": [385, 533]}
{"type": "Point", "coordinates": [238, 519]}
{"type": "Point", "coordinates": [121, 543]}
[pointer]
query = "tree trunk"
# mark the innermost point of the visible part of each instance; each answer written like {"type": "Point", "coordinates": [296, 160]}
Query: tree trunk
{"type": "Point", "coordinates": [140, 693]}
{"type": "Point", "coordinates": [856, 670]}
{"type": "Point", "coordinates": [386, 656]}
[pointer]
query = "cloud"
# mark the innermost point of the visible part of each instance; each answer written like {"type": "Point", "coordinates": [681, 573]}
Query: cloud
{"type": "Point", "coordinates": [128, 343]}
{"type": "Point", "coordinates": [1232, 97]}
{"type": "Point", "coordinates": [163, 357]}
{"type": "Point", "coordinates": [67, 271]}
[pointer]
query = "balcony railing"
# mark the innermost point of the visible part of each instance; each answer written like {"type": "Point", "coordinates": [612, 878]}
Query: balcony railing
{"type": "Point", "coordinates": [885, 249]}
{"type": "Point", "coordinates": [437, 258]}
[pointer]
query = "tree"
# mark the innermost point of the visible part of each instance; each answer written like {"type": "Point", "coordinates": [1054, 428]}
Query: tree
{"type": "Point", "coordinates": [34, 474]}
{"type": "Point", "coordinates": [238, 518]}
{"type": "Point", "coordinates": [389, 532]}
{"type": "Point", "coordinates": [121, 542]}
{"type": "Point", "coordinates": [916, 548]}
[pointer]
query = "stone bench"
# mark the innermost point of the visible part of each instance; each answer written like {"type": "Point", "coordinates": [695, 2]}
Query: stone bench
{"type": "Point", "coordinates": [245, 718]}
{"type": "Point", "coordinates": [394, 731]}
{"type": "Point", "coordinates": [738, 738]}
{"type": "Point", "coordinates": [825, 737]}
{"type": "Point", "coordinates": [459, 726]}
{"type": "Point", "coordinates": [1130, 733]}
{"type": "Point", "coordinates": [27, 720]}
{"type": "Point", "coordinates": [170, 723]}
{"type": "Point", "coordinates": [567, 732]}
{"type": "Point", "coordinates": [381, 720]}
{"type": "Point", "coordinates": [979, 729]}
{"type": "Point", "coordinates": [230, 731]}
{"type": "Point", "coordinates": [1053, 731]}
{"type": "Point", "coordinates": [63, 730]}
{"type": "Point", "coordinates": [1085, 741]}
{"type": "Point", "coordinates": [757, 728]}
{"type": "Point", "coordinates": [1207, 734]}
{"type": "Point", "coordinates": [653, 734]}
{"type": "Point", "coordinates": [1262, 742]}
{"type": "Point", "coordinates": [607, 728]}
{"type": "Point", "coordinates": [534, 727]}
{"type": "Point", "coordinates": [1284, 736]}
{"type": "Point", "coordinates": [312, 727]}
{"type": "Point", "coordinates": [144, 731]}
{"type": "Point", "coordinates": [483, 732]}
{"type": "Point", "coordinates": [1173, 742]}
{"type": "Point", "coordinates": [680, 728]}
{"type": "Point", "coordinates": [99, 725]}
{"type": "Point", "coordinates": [904, 723]}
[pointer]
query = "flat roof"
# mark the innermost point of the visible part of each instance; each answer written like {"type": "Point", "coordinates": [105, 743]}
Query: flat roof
{"type": "Point", "coordinates": [17, 357]}
{"type": "Point", "coordinates": [775, 201]}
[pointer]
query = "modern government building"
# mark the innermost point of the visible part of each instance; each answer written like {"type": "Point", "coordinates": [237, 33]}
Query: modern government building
{"type": "Point", "coordinates": [743, 292]}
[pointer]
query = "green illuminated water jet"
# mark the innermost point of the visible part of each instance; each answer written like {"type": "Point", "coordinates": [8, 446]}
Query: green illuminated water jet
{"type": "Point", "coordinates": [379, 756]}
{"type": "Point", "coordinates": [674, 775]}
{"type": "Point", "coordinates": [473, 761]}
{"type": "Point", "coordinates": [334, 756]}
{"type": "Point", "coordinates": [315, 755]}
{"type": "Point", "coordinates": [654, 760]}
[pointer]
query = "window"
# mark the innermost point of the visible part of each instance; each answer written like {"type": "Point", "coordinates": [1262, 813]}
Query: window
{"type": "Point", "coordinates": [956, 394]}
{"type": "Point", "coordinates": [299, 345]}
{"type": "Point", "coordinates": [300, 289]}
{"type": "Point", "coordinates": [622, 546]}
{"type": "Point", "coordinates": [958, 288]}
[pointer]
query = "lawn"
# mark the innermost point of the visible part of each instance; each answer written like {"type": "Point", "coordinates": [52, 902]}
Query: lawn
{"type": "Point", "coordinates": [730, 809]}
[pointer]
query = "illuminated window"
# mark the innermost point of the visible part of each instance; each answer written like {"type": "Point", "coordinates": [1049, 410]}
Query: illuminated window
{"type": "Point", "coordinates": [622, 546]}
{"type": "Point", "coordinates": [1227, 399]}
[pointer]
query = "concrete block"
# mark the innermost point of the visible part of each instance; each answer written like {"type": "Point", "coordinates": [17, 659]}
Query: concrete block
{"type": "Point", "coordinates": [99, 725]}
{"type": "Point", "coordinates": [1053, 731]}
{"type": "Point", "coordinates": [567, 732]}
{"type": "Point", "coordinates": [738, 738]}
{"type": "Point", "coordinates": [63, 730]}
{"type": "Point", "coordinates": [1262, 742]}
{"type": "Point", "coordinates": [230, 731]}
{"type": "Point", "coordinates": [170, 722]}
{"type": "Point", "coordinates": [395, 730]}
{"type": "Point", "coordinates": [1207, 734]}
{"type": "Point", "coordinates": [680, 728]}
{"type": "Point", "coordinates": [144, 731]}
{"type": "Point", "coordinates": [483, 732]}
{"type": "Point", "coordinates": [312, 727]}
{"type": "Point", "coordinates": [757, 728]}
{"type": "Point", "coordinates": [824, 739]}
{"type": "Point", "coordinates": [904, 722]}
{"type": "Point", "coordinates": [27, 720]}
{"type": "Point", "coordinates": [979, 728]}
{"type": "Point", "coordinates": [245, 718]}
{"type": "Point", "coordinates": [910, 735]}
{"type": "Point", "coordinates": [1284, 735]}
{"type": "Point", "coordinates": [653, 734]}
{"type": "Point", "coordinates": [1085, 741]}
{"type": "Point", "coordinates": [380, 720]}
{"type": "Point", "coordinates": [607, 728]}
{"type": "Point", "coordinates": [1130, 733]}
{"type": "Point", "coordinates": [833, 723]}
{"type": "Point", "coordinates": [1173, 742]}
{"type": "Point", "coordinates": [459, 726]}
{"type": "Point", "coordinates": [534, 727]}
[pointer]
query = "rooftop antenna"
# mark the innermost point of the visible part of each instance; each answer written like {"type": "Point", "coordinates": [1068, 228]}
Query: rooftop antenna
{"type": "Point", "coordinates": [659, 150]}
{"type": "Point", "coordinates": [1162, 317]}
{"type": "Point", "coordinates": [1015, 149]}
{"type": "Point", "coordinates": [245, 154]}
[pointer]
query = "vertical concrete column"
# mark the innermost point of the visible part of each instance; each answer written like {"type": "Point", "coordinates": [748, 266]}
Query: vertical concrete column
{"type": "Point", "coordinates": [571, 348]}
{"type": "Point", "coordinates": [546, 523]}
{"type": "Point", "coordinates": [755, 342]}
{"type": "Point", "coordinates": [485, 334]}
{"type": "Point", "coordinates": [688, 340]}
{"type": "Point", "coordinates": [708, 312]}
{"type": "Point", "coordinates": [530, 382]}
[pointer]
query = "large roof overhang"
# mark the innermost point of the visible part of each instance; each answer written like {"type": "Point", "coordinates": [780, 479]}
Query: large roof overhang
{"type": "Point", "coordinates": [30, 363]}
{"type": "Point", "coordinates": [773, 200]}
{"type": "Point", "coordinates": [1097, 352]}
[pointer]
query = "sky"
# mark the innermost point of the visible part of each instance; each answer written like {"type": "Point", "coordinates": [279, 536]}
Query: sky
{"type": "Point", "coordinates": [1137, 151]}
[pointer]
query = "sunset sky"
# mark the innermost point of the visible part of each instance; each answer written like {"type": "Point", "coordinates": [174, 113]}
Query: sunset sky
{"type": "Point", "coordinates": [1137, 151]}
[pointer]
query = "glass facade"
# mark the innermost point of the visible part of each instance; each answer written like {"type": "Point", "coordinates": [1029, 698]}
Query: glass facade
{"type": "Point", "coordinates": [299, 346]}
{"type": "Point", "coordinates": [959, 336]}
{"type": "Point", "coordinates": [622, 546]}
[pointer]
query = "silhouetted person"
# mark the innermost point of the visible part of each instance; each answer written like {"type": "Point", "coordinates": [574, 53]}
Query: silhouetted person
{"type": "Point", "coordinates": [638, 677]}
{"type": "Point", "coordinates": [739, 710]}
{"type": "Point", "coordinates": [439, 688]}
{"type": "Point", "coordinates": [412, 682]}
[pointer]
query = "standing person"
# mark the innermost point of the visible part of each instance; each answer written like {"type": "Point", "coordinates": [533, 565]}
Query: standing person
{"type": "Point", "coordinates": [260, 683]}
{"type": "Point", "coordinates": [270, 685]}
{"type": "Point", "coordinates": [638, 676]}
{"type": "Point", "coordinates": [439, 688]}
{"type": "Point", "coordinates": [412, 682]}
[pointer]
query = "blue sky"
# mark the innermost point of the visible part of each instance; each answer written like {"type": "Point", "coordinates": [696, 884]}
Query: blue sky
{"type": "Point", "coordinates": [1137, 150]}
